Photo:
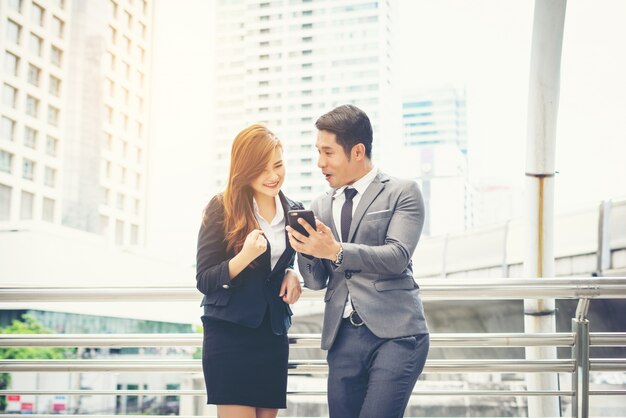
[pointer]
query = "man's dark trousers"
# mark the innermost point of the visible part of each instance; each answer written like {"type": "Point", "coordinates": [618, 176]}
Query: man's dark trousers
{"type": "Point", "coordinates": [373, 377]}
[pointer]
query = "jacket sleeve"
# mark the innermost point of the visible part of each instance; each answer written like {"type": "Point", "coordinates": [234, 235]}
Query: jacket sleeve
{"type": "Point", "coordinates": [211, 258]}
{"type": "Point", "coordinates": [402, 236]}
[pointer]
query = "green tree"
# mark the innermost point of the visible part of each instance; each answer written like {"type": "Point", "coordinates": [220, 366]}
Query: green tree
{"type": "Point", "coordinates": [28, 325]}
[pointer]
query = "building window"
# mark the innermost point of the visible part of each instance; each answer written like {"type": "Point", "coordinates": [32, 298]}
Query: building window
{"type": "Point", "coordinates": [113, 9]}
{"type": "Point", "coordinates": [141, 54]}
{"type": "Point", "coordinates": [137, 181]}
{"type": "Point", "coordinates": [50, 175]}
{"type": "Point", "coordinates": [54, 87]}
{"type": "Point", "coordinates": [142, 30]}
{"type": "Point", "coordinates": [28, 169]}
{"type": "Point", "coordinates": [60, 4]}
{"type": "Point", "coordinates": [15, 5]}
{"type": "Point", "coordinates": [13, 32]}
{"type": "Point", "coordinates": [107, 169]}
{"type": "Point", "coordinates": [110, 61]}
{"type": "Point", "coordinates": [51, 146]}
{"type": "Point", "coordinates": [9, 96]}
{"type": "Point", "coordinates": [34, 74]}
{"type": "Point", "coordinates": [6, 161]}
{"type": "Point", "coordinates": [134, 234]}
{"type": "Point", "coordinates": [57, 27]}
{"type": "Point", "coordinates": [27, 205]}
{"type": "Point", "coordinates": [110, 85]}
{"type": "Point", "coordinates": [127, 70]}
{"type": "Point", "coordinates": [139, 80]}
{"type": "Point", "coordinates": [129, 20]}
{"type": "Point", "coordinates": [48, 209]}
{"type": "Point", "coordinates": [32, 106]}
{"type": "Point", "coordinates": [119, 234]}
{"type": "Point", "coordinates": [36, 14]}
{"type": "Point", "coordinates": [126, 95]}
{"type": "Point", "coordinates": [120, 201]}
{"type": "Point", "coordinates": [128, 44]}
{"type": "Point", "coordinates": [108, 141]}
{"type": "Point", "coordinates": [137, 207]}
{"type": "Point", "coordinates": [30, 137]}
{"type": "Point", "coordinates": [108, 114]}
{"type": "Point", "coordinates": [11, 64]}
{"type": "Point", "coordinates": [112, 34]}
{"type": "Point", "coordinates": [56, 56]}
{"type": "Point", "coordinates": [104, 224]}
{"type": "Point", "coordinates": [7, 129]}
{"type": "Point", "coordinates": [5, 201]}
{"type": "Point", "coordinates": [53, 116]}
{"type": "Point", "coordinates": [35, 44]}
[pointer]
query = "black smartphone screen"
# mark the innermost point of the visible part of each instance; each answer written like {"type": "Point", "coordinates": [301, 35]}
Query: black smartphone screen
{"type": "Point", "coordinates": [307, 215]}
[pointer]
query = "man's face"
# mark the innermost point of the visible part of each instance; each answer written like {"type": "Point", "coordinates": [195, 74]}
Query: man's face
{"type": "Point", "coordinates": [338, 169]}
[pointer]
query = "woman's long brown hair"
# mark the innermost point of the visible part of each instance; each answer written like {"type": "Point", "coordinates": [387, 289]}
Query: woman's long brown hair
{"type": "Point", "coordinates": [251, 151]}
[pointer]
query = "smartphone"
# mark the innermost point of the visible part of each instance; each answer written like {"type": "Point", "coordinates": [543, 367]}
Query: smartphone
{"type": "Point", "coordinates": [307, 215]}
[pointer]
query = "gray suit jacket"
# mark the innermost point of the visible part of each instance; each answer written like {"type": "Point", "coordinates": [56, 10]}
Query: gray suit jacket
{"type": "Point", "coordinates": [377, 267]}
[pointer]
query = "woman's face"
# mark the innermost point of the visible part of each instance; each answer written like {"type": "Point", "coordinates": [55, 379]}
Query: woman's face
{"type": "Point", "coordinates": [271, 179]}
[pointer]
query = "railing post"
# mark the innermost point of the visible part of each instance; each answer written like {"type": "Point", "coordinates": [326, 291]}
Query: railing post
{"type": "Point", "coordinates": [580, 354]}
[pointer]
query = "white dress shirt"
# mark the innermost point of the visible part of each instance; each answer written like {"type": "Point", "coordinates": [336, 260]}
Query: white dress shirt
{"type": "Point", "coordinates": [274, 230]}
{"type": "Point", "coordinates": [338, 200]}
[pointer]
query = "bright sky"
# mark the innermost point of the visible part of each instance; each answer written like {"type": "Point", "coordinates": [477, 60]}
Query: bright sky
{"type": "Point", "coordinates": [482, 44]}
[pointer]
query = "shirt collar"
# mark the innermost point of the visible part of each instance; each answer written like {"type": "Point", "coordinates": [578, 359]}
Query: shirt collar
{"type": "Point", "coordinates": [278, 217]}
{"type": "Point", "coordinates": [361, 184]}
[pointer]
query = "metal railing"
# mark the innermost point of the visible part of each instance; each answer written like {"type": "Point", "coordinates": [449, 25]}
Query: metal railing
{"type": "Point", "coordinates": [579, 339]}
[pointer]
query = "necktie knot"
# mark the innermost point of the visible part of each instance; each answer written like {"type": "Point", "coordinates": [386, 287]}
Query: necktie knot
{"type": "Point", "coordinates": [350, 192]}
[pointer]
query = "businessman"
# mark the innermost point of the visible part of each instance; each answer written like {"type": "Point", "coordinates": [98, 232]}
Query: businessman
{"type": "Point", "coordinates": [360, 250]}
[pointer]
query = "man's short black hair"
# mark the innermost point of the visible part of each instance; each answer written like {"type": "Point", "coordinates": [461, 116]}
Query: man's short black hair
{"type": "Point", "coordinates": [350, 125]}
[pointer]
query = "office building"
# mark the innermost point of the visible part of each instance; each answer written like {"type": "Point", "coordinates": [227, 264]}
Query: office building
{"type": "Point", "coordinates": [73, 133]}
{"type": "Point", "coordinates": [285, 63]}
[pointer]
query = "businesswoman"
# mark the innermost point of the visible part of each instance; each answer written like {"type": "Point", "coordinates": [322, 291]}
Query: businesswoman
{"type": "Point", "coordinates": [244, 270]}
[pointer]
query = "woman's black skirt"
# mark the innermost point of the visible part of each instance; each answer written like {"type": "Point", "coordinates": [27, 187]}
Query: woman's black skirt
{"type": "Point", "coordinates": [244, 366]}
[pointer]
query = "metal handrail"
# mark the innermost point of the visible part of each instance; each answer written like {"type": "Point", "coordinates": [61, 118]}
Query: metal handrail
{"type": "Point", "coordinates": [431, 289]}
{"type": "Point", "coordinates": [305, 366]}
{"type": "Point", "coordinates": [558, 339]}
{"type": "Point", "coordinates": [580, 339]}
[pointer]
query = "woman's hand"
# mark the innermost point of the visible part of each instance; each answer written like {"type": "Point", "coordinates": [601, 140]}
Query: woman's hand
{"type": "Point", "coordinates": [290, 289]}
{"type": "Point", "coordinates": [254, 245]}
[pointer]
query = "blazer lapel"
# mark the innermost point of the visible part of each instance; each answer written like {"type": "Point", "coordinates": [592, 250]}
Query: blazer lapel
{"type": "Point", "coordinates": [370, 194]}
{"type": "Point", "coordinates": [327, 213]}
{"type": "Point", "coordinates": [286, 255]}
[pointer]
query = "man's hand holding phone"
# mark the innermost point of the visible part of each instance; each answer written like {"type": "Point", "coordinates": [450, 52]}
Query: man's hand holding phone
{"type": "Point", "coordinates": [315, 241]}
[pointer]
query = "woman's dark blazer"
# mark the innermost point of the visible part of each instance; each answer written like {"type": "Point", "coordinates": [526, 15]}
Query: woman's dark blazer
{"type": "Point", "coordinates": [244, 299]}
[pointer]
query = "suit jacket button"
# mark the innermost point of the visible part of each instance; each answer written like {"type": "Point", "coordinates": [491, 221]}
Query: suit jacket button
{"type": "Point", "coordinates": [225, 286]}
{"type": "Point", "coordinates": [348, 275]}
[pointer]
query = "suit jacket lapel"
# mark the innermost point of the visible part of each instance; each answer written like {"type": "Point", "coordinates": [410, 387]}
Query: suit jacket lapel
{"type": "Point", "coordinates": [286, 255]}
{"type": "Point", "coordinates": [327, 213]}
{"type": "Point", "coordinates": [370, 194]}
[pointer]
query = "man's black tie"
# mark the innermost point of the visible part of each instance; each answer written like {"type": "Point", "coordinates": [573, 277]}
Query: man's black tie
{"type": "Point", "coordinates": [346, 213]}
